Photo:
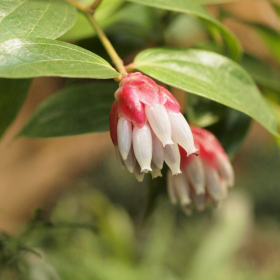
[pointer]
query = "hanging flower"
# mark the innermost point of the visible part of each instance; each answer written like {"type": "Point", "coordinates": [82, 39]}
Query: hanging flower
{"type": "Point", "coordinates": [205, 178]}
{"type": "Point", "coordinates": [146, 127]}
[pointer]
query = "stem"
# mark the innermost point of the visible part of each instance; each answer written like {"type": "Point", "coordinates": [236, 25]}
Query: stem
{"type": "Point", "coordinates": [78, 5]}
{"type": "Point", "coordinates": [95, 4]}
{"type": "Point", "coordinates": [107, 45]}
{"type": "Point", "coordinates": [88, 11]}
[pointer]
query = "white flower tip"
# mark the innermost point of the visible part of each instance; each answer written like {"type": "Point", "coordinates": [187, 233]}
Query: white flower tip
{"type": "Point", "coordinates": [139, 177]}
{"type": "Point", "coordinates": [146, 169]}
{"type": "Point", "coordinates": [193, 151]}
{"type": "Point", "coordinates": [186, 202]}
{"type": "Point", "coordinates": [169, 142]}
{"type": "Point", "coordinates": [124, 157]}
{"type": "Point", "coordinates": [176, 172]}
{"type": "Point", "coordinates": [156, 175]}
{"type": "Point", "coordinates": [199, 190]}
{"type": "Point", "coordinates": [159, 166]}
{"type": "Point", "coordinates": [129, 167]}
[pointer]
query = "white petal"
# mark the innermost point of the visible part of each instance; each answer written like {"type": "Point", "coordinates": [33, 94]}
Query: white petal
{"type": "Point", "coordinates": [213, 183]}
{"type": "Point", "coordinates": [119, 157]}
{"type": "Point", "coordinates": [172, 158]}
{"type": "Point", "coordinates": [225, 169]}
{"type": "Point", "coordinates": [137, 172]}
{"type": "Point", "coordinates": [142, 146]}
{"type": "Point", "coordinates": [195, 173]}
{"type": "Point", "coordinates": [130, 161]}
{"type": "Point", "coordinates": [160, 123]}
{"type": "Point", "coordinates": [124, 130]}
{"type": "Point", "coordinates": [156, 172]}
{"type": "Point", "coordinates": [158, 153]}
{"type": "Point", "coordinates": [182, 189]}
{"type": "Point", "coordinates": [181, 132]}
{"type": "Point", "coordinates": [171, 188]}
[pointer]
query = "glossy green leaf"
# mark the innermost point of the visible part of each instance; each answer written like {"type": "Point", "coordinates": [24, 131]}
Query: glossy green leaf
{"type": "Point", "coordinates": [33, 57]}
{"type": "Point", "coordinates": [35, 18]}
{"type": "Point", "coordinates": [75, 110]}
{"type": "Point", "coordinates": [195, 8]}
{"type": "Point", "coordinates": [262, 73]}
{"type": "Point", "coordinates": [12, 95]}
{"type": "Point", "coordinates": [209, 75]}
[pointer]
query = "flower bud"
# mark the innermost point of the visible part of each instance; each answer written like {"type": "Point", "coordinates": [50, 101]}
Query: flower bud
{"type": "Point", "coordinates": [207, 176]}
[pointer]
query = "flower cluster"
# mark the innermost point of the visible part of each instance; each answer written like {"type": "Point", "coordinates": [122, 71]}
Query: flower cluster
{"type": "Point", "coordinates": [146, 127]}
{"type": "Point", "coordinates": [204, 179]}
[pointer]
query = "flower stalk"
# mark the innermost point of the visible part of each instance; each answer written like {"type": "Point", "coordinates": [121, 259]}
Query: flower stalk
{"type": "Point", "coordinates": [88, 11]}
{"type": "Point", "coordinates": [95, 4]}
{"type": "Point", "coordinates": [107, 45]}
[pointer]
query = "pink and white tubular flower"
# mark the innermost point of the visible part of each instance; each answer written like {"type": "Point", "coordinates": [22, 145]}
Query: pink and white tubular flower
{"type": "Point", "coordinates": [146, 127]}
{"type": "Point", "coordinates": [205, 178]}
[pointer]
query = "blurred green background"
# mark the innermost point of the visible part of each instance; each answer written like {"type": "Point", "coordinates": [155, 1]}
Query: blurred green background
{"type": "Point", "coordinates": [98, 229]}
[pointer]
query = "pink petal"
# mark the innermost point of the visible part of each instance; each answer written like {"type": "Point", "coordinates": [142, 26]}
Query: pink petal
{"type": "Point", "coordinates": [130, 77]}
{"type": "Point", "coordinates": [114, 123]}
{"type": "Point", "coordinates": [171, 103]}
{"type": "Point", "coordinates": [146, 89]}
{"type": "Point", "coordinates": [130, 106]}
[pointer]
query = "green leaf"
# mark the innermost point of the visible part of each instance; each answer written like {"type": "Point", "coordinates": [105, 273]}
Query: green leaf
{"type": "Point", "coordinates": [195, 8]}
{"type": "Point", "coordinates": [35, 18]}
{"type": "Point", "coordinates": [72, 111]}
{"type": "Point", "coordinates": [12, 95]}
{"type": "Point", "coordinates": [33, 57]}
{"type": "Point", "coordinates": [262, 73]}
{"type": "Point", "coordinates": [209, 75]}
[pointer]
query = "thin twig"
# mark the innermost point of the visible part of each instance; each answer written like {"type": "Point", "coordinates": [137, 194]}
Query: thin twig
{"type": "Point", "coordinates": [78, 5]}
{"type": "Point", "coordinates": [88, 12]}
{"type": "Point", "coordinates": [95, 4]}
{"type": "Point", "coordinates": [107, 45]}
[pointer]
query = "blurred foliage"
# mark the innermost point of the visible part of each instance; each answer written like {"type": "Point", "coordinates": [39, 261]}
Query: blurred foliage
{"type": "Point", "coordinates": [96, 231]}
